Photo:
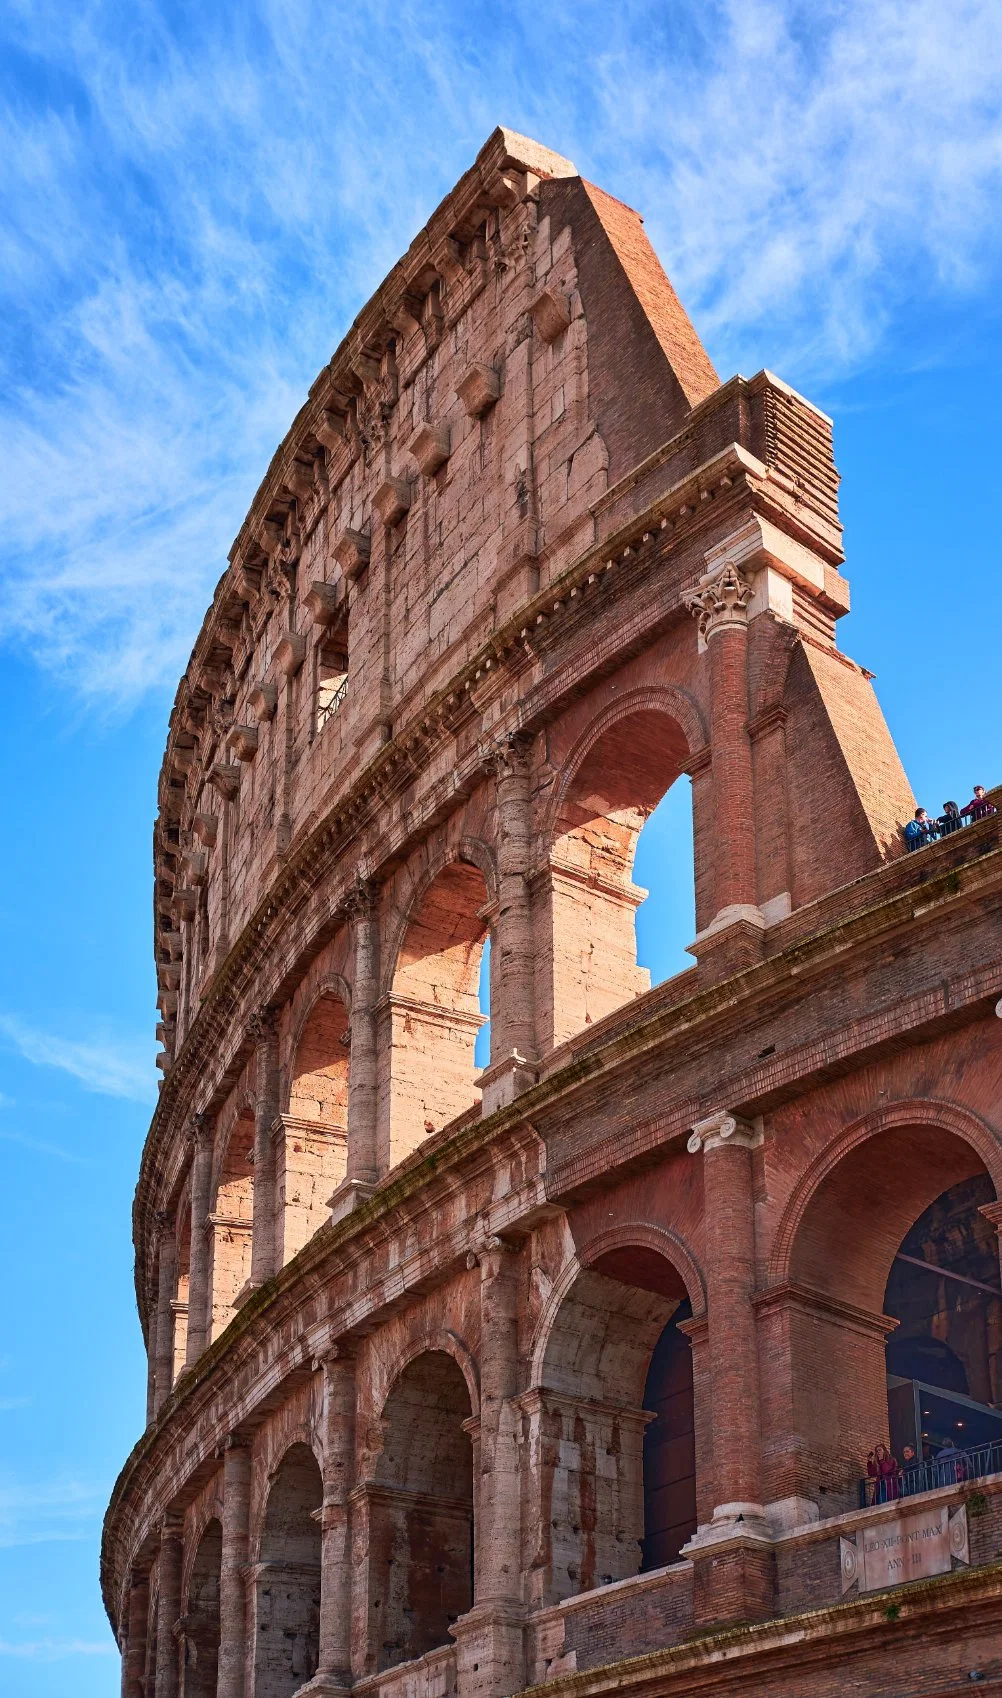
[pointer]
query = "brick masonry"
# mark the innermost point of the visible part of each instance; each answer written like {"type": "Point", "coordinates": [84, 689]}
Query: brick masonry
{"type": "Point", "coordinates": [521, 564]}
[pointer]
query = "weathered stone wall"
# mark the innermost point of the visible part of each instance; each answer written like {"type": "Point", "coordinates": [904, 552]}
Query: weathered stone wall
{"type": "Point", "coordinates": [401, 1313]}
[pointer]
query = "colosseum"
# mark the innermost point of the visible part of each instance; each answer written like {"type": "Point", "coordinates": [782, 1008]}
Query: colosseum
{"type": "Point", "coordinates": [560, 1359]}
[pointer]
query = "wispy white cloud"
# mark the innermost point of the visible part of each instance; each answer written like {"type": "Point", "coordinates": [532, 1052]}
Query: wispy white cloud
{"type": "Point", "coordinates": [7, 1403]}
{"type": "Point", "coordinates": [198, 204]}
{"type": "Point", "coordinates": [48, 1512]}
{"type": "Point", "coordinates": [110, 1067]}
{"type": "Point", "coordinates": [55, 1650]}
{"type": "Point", "coordinates": [41, 1147]}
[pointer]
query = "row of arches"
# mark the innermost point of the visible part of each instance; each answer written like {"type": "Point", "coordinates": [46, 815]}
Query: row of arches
{"type": "Point", "coordinates": [442, 1005]}
{"type": "Point", "coordinates": [885, 1272]}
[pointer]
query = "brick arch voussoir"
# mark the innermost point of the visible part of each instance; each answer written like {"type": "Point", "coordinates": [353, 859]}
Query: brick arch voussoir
{"type": "Point", "coordinates": [333, 984]}
{"type": "Point", "coordinates": [301, 1435]}
{"type": "Point", "coordinates": [193, 1544]}
{"type": "Point", "coordinates": [245, 1109]}
{"type": "Point", "coordinates": [628, 1235]}
{"type": "Point", "coordinates": [444, 1341]}
{"type": "Point", "coordinates": [961, 1122]}
{"type": "Point", "coordinates": [667, 699]}
{"type": "Point", "coordinates": [472, 851]}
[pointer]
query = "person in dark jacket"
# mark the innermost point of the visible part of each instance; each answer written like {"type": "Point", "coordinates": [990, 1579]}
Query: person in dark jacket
{"type": "Point", "coordinates": [949, 820]}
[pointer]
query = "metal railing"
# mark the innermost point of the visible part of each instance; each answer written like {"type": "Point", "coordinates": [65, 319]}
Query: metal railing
{"type": "Point", "coordinates": [962, 1465]}
{"type": "Point", "coordinates": [932, 830]}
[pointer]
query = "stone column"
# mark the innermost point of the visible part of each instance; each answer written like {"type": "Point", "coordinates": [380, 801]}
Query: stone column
{"type": "Point", "coordinates": [363, 1165]}
{"type": "Point", "coordinates": [163, 1341]}
{"type": "Point", "coordinates": [169, 1606]}
{"type": "Point", "coordinates": [232, 1590]}
{"type": "Point", "coordinates": [198, 1270]}
{"type": "Point", "coordinates": [334, 1670]}
{"type": "Point", "coordinates": [720, 605]}
{"type": "Point", "coordinates": [490, 1639]}
{"type": "Point", "coordinates": [134, 1653]}
{"type": "Point", "coordinates": [264, 1030]}
{"type": "Point", "coordinates": [513, 1007]}
{"type": "Point", "coordinates": [737, 1583]}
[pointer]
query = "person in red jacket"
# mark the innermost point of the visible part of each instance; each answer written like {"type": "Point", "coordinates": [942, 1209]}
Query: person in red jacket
{"type": "Point", "coordinates": [883, 1470]}
{"type": "Point", "coordinates": [979, 807]}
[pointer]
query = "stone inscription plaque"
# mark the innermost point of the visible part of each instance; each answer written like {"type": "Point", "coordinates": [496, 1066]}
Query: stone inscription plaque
{"type": "Point", "coordinates": [911, 1546]}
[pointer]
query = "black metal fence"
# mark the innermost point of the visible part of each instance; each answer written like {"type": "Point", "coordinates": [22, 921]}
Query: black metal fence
{"type": "Point", "coordinates": [951, 1470]}
{"type": "Point", "coordinates": [931, 830]}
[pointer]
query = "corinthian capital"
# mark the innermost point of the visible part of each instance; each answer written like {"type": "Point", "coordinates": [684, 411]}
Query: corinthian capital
{"type": "Point", "coordinates": [722, 1130]}
{"type": "Point", "coordinates": [719, 600]}
{"type": "Point", "coordinates": [507, 756]}
{"type": "Point", "coordinates": [263, 1023]}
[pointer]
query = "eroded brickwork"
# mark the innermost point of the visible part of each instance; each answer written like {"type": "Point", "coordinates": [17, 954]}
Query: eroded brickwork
{"type": "Point", "coordinates": [522, 564]}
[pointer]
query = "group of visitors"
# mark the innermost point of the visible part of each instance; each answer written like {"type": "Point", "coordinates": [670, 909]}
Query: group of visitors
{"type": "Point", "coordinates": [922, 829]}
{"type": "Point", "coordinates": [893, 1479]}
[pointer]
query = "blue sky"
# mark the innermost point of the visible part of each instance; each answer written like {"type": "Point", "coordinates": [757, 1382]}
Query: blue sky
{"type": "Point", "coordinates": [196, 200]}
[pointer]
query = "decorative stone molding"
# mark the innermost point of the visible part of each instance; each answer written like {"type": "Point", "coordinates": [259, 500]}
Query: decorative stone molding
{"type": "Point", "coordinates": [351, 551]}
{"type": "Point", "coordinates": [430, 446]}
{"type": "Point", "coordinates": [169, 975]}
{"type": "Point", "coordinates": [723, 1130]}
{"type": "Point", "coordinates": [225, 778]}
{"type": "Point", "coordinates": [263, 1023]}
{"type": "Point", "coordinates": [720, 601]}
{"type": "Point", "coordinates": [243, 740]}
{"type": "Point", "coordinates": [290, 653]}
{"type": "Point", "coordinates": [322, 601]}
{"type": "Point", "coordinates": [550, 313]}
{"type": "Point", "coordinates": [206, 829]}
{"type": "Point", "coordinates": [392, 499]}
{"type": "Point", "coordinates": [263, 701]}
{"type": "Point", "coordinates": [478, 389]}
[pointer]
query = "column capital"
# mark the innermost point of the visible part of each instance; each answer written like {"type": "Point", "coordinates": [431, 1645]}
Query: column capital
{"type": "Point", "coordinates": [361, 898]}
{"type": "Point", "coordinates": [203, 1128]}
{"type": "Point", "coordinates": [172, 1525]}
{"type": "Point", "coordinates": [723, 1130]}
{"type": "Point", "coordinates": [720, 600]}
{"type": "Point", "coordinates": [263, 1023]}
{"type": "Point", "coordinates": [507, 756]}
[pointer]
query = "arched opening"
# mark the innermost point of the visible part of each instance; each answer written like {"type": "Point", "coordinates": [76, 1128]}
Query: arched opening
{"type": "Point", "coordinates": [200, 1623]}
{"type": "Point", "coordinates": [179, 1303]}
{"type": "Point", "coordinates": [944, 1360]}
{"type": "Point", "coordinates": [611, 795]}
{"type": "Point", "coordinates": [613, 1427]}
{"type": "Point", "coordinates": [419, 1509]}
{"type": "Point", "coordinates": [850, 1292]}
{"type": "Point", "coordinates": [231, 1224]}
{"type": "Point", "coordinates": [313, 1155]}
{"type": "Point", "coordinates": [287, 1592]}
{"type": "Point", "coordinates": [664, 866]}
{"type": "Point", "coordinates": [434, 1009]}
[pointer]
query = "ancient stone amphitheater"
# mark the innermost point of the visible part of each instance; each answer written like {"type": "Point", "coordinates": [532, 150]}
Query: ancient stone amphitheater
{"type": "Point", "coordinates": [564, 1369]}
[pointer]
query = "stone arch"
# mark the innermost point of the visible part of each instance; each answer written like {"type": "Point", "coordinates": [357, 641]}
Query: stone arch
{"type": "Point", "coordinates": [823, 1311]}
{"type": "Point", "coordinates": [231, 1218]}
{"type": "Point", "coordinates": [434, 1339]}
{"type": "Point", "coordinates": [333, 986]}
{"type": "Point", "coordinates": [471, 851]}
{"type": "Point", "coordinates": [182, 1282]}
{"type": "Point", "coordinates": [641, 1234]}
{"type": "Point", "coordinates": [431, 1011]}
{"type": "Point", "coordinates": [610, 1308]}
{"type": "Point", "coordinates": [418, 1510]}
{"type": "Point", "coordinates": [312, 1154]}
{"type": "Point", "coordinates": [287, 1577]}
{"type": "Point", "coordinates": [616, 773]}
{"type": "Point", "coordinates": [665, 699]}
{"type": "Point", "coordinates": [952, 1118]}
{"type": "Point", "coordinates": [200, 1611]}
